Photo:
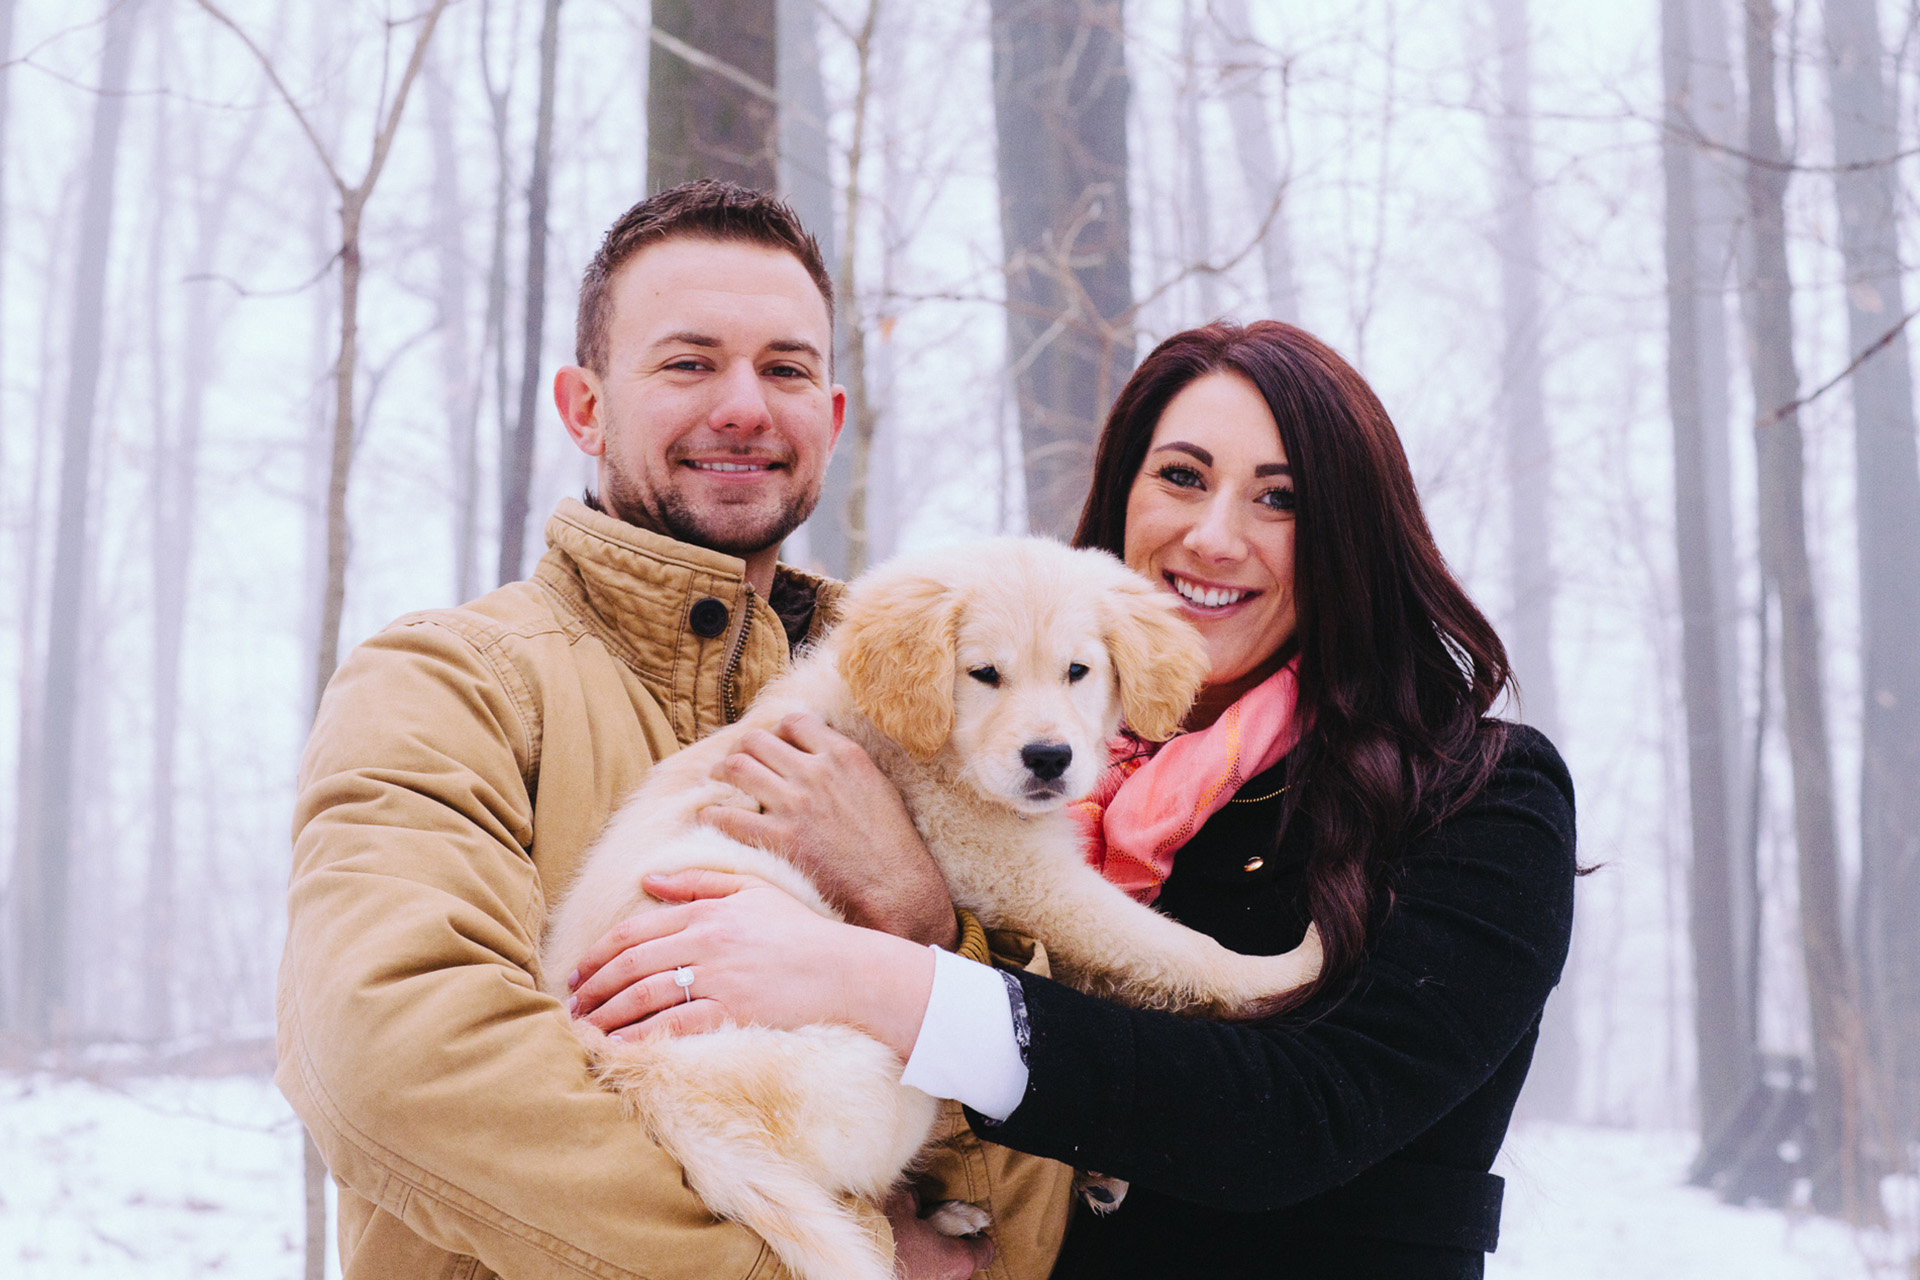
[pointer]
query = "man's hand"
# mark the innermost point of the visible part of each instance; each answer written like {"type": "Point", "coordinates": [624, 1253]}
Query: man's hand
{"type": "Point", "coordinates": [836, 817]}
{"type": "Point", "coordinates": [922, 1253]}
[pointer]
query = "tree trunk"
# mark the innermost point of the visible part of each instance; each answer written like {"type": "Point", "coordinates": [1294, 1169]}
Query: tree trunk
{"type": "Point", "coordinates": [1720, 209]}
{"type": "Point", "coordinates": [44, 963]}
{"type": "Point", "coordinates": [806, 182]}
{"type": "Point", "coordinates": [24, 894]}
{"type": "Point", "coordinates": [1866, 139]}
{"type": "Point", "coordinates": [176, 480]}
{"type": "Point", "coordinates": [1060, 114]}
{"type": "Point", "coordinates": [1253, 142]}
{"type": "Point", "coordinates": [155, 1015]}
{"type": "Point", "coordinates": [891, 494]}
{"type": "Point", "coordinates": [1198, 222]}
{"type": "Point", "coordinates": [712, 110]}
{"type": "Point", "coordinates": [1522, 400]}
{"type": "Point", "coordinates": [460, 387]}
{"type": "Point", "coordinates": [340, 457]}
{"type": "Point", "coordinates": [1725, 1053]}
{"type": "Point", "coordinates": [494, 339]}
{"type": "Point", "coordinates": [313, 1180]}
{"type": "Point", "coordinates": [7, 11]}
{"type": "Point", "coordinates": [516, 454]}
{"type": "Point", "coordinates": [860, 408]}
{"type": "Point", "coordinates": [1554, 1083]}
{"type": "Point", "coordinates": [1842, 1181]}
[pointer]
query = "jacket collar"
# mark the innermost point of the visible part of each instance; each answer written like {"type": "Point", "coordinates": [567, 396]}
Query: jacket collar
{"type": "Point", "coordinates": [637, 590]}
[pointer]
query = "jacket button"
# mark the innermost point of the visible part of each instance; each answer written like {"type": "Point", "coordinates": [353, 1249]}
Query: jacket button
{"type": "Point", "coordinates": [708, 618]}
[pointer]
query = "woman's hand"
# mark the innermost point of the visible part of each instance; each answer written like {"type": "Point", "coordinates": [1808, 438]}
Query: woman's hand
{"type": "Point", "coordinates": [830, 812]}
{"type": "Point", "coordinates": [757, 956]}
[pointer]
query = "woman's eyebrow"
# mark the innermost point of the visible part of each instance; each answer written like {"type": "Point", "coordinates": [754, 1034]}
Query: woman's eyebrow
{"type": "Point", "coordinates": [1206, 458]}
{"type": "Point", "coordinates": [1181, 446]}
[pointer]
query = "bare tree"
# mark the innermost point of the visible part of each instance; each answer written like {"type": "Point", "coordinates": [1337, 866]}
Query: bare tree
{"type": "Point", "coordinates": [516, 451]}
{"type": "Point", "coordinates": [1866, 139]}
{"type": "Point", "coordinates": [7, 9]}
{"type": "Point", "coordinates": [460, 381]}
{"type": "Point", "coordinates": [353, 203]}
{"type": "Point", "coordinates": [806, 182]}
{"type": "Point", "coordinates": [1060, 116]}
{"type": "Point", "coordinates": [1725, 1049]}
{"type": "Point", "coordinates": [494, 327]}
{"type": "Point", "coordinates": [862, 414]}
{"type": "Point", "coordinates": [1842, 1179]}
{"type": "Point", "coordinates": [1722, 244]}
{"type": "Point", "coordinates": [23, 896]}
{"type": "Point", "coordinates": [712, 110]}
{"type": "Point", "coordinates": [1242, 87]}
{"type": "Point", "coordinates": [1197, 224]}
{"type": "Point", "coordinates": [45, 860]}
{"type": "Point", "coordinates": [1521, 407]}
{"type": "Point", "coordinates": [177, 429]}
{"type": "Point", "coordinates": [1522, 396]}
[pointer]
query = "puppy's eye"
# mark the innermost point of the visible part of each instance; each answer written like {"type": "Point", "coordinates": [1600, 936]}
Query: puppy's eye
{"type": "Point", "coordinates": [1075, 672]}
{"type": "Point", "coordinates": [986, 676]}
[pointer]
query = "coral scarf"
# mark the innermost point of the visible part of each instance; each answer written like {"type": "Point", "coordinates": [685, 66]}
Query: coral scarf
{"type": "Point", "coordinates": [1144, 808]}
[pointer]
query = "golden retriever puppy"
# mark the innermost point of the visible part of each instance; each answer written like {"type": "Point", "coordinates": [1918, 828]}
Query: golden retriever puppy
{"type": "Point", "coordinates": [985, 681]}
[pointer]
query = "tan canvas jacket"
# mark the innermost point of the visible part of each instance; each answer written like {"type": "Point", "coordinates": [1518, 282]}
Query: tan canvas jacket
{"type": "Point", "coordinates": [461, 762]}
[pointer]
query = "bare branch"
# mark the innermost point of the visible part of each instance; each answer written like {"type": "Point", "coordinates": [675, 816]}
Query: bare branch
{"type": "Point", "coordinates": [384, 142]}
{"type": "Point", "coordinates": [286, 95]}
{"type": "Point", "coordinates": [707, 62]}
{"type": "Point", "coordinates": [244, 291]}
{"type": "Point", "coordinates": [1794, 406]}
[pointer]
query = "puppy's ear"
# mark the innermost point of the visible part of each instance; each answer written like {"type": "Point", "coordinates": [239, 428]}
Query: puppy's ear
{"type": "Point", "coordinates": [896, 655]}
{"type": "Point", "coordinates": [1159, 659]}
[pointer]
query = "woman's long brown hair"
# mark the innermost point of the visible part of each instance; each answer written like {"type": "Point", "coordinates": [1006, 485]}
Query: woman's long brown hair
{"type": "Point", "coordinates": [1398, 668]}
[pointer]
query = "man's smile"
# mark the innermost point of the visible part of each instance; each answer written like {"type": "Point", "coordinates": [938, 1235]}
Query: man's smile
{"type": "Point", "coordinates": [732, 468]}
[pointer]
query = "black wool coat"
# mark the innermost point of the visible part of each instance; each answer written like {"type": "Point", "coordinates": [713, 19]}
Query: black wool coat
{"type": "Point", "coordinates": [1351, 1136]}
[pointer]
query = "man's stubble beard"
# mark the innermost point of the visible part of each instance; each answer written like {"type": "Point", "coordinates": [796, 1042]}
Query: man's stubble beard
{"type": "Point", "coordinates": [735, 529]}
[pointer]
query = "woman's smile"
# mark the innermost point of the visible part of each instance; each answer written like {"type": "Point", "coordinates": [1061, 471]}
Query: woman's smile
{"type": "Point", "coordinates": [1210, 599]}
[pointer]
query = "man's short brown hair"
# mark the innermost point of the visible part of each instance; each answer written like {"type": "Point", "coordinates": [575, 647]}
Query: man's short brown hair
{"type": "Point", "coordinates": [707, 209]}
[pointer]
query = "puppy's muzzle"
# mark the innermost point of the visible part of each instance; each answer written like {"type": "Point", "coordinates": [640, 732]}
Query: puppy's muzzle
{"type": "Point", "coordinates": [1046, 762]}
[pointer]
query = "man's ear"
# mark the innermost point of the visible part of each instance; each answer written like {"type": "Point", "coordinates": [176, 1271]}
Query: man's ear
{"type": "Point", "coordinates": [576, 393]}
{"type": "Point", "coordinates": [839, 414]}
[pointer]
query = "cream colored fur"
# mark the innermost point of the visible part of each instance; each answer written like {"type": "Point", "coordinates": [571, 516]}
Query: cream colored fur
{"type": "Point", "coordinates": [776, 1129]}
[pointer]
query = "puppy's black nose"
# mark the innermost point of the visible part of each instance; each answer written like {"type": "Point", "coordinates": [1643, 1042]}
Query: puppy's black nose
{"type": "Point", "coordinates": [1046, 760]}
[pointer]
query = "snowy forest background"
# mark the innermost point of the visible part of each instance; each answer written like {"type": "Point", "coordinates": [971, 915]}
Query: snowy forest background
{"type": "Point", "coordinates": [1630, 280]}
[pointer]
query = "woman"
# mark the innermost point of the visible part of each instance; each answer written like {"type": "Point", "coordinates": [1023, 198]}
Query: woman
{"type": "Point", "coordinates": [1255, 475]}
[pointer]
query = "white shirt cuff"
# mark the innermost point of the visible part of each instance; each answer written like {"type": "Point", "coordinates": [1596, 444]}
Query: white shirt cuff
{"type": "Point", "coordinates": [966, 1048]}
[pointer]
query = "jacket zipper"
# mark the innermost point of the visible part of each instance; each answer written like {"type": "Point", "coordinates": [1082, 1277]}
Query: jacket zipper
{"type": "Point", "coordinates": [727, 710]}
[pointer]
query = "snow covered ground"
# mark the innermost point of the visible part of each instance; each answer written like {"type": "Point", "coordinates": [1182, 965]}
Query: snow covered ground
{"type": "Point", "coordinates": [179, 1177]}
{"type": "Point", "coordinates": [1609, 1203]}
{"type": "Point", "coordinates": [158, 1179]}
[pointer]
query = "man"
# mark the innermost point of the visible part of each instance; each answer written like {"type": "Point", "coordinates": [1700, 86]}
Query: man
{"type": "Point", "coordinates": [463, 760]}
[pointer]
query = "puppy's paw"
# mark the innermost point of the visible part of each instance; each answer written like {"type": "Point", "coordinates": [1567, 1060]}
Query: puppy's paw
{"type": "Point", "coordinates": [1311, 955]}
{"type": "Point", "coordinates": [1284, 978]}
{"type": "Point", "coordinates": [1102, 1194]}
{"type": "Point", "coordinates": [958, 1218]}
